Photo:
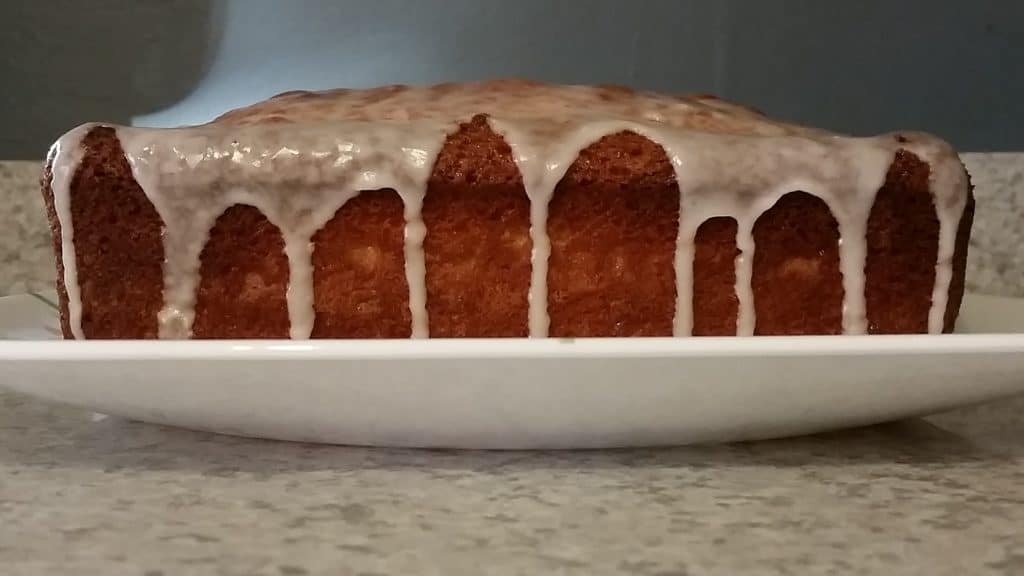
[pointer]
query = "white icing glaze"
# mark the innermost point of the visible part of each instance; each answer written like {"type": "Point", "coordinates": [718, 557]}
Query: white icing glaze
{"type": "Point", "coordinates": [948, 182]}
{"type": "Point", "coordinates": [193, 175]}
{"type": "Point", "coordinates": [299, 157]}
{"type": "Point", "coordinates": [415, 265]}
{"type": "Point", "coordinates": [745, 317]}
{"type": "Point", "coordinates": [66, 154]}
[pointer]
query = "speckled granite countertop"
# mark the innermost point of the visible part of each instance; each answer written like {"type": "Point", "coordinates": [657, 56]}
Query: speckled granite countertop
{"type": "Point", "coordinates": [942, 495]}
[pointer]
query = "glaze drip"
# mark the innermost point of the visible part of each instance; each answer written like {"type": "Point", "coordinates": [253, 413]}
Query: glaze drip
{"type": "Point", "coordinates": [300, 157]}
{"type": "Point", "coordinates": [192, 176]}
{"type": "Point", "coordinates": [67, 155]}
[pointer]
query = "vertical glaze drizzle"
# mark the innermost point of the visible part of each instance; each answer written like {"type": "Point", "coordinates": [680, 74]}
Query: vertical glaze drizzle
{"type": "Point", "coordinates": [948, 182]}
{"type": "Point", "coordinates": [299, 175]}
{"type": "Point", "coordinates": [191, 178]}
{"type": "Point", "coordinates": [67, 156]}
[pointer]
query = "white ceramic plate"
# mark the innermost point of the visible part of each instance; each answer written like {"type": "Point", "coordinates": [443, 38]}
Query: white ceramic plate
{"type": "Point", "coordinates": [520, 393]}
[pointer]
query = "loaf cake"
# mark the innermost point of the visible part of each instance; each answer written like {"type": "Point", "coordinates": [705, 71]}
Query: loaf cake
{"type": "Point", "coordinates": [503, 209]}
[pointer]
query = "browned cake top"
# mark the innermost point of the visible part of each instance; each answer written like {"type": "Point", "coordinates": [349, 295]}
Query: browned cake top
{"type": "Point", "coordinates": [514, 100]}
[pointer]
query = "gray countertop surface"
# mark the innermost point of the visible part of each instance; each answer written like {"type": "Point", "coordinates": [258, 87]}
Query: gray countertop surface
{"type": "Point", "coordinates": [83, 494]}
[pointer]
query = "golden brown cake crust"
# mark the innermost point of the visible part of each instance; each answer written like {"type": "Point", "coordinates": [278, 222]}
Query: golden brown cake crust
{"type": "Point", "coordinates": [359, 272]}
{"type": "Point", "coordinates": [613, 243]}
{"type": "Point", "coordinates": [715, 306]}
{"type": "Point", "coordinates": [243, 278]}
{"type": "Point", "coordinates": [796, 279]}
{"type": "Point", "coordinates": [477, 256]}
{"type": "Point", "coordinates": [612, 223]}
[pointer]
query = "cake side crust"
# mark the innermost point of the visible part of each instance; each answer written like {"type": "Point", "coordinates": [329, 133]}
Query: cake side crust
{"type": "Point", "coordinates": [46, 184]}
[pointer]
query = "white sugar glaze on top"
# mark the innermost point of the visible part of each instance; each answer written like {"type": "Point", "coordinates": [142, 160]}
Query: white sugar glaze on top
{"type": "Point", "coordinates": [300, 156]}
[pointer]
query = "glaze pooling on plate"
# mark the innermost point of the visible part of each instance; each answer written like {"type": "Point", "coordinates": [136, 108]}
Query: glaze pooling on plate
{"type": "Point", "coordinates": [301, 156]}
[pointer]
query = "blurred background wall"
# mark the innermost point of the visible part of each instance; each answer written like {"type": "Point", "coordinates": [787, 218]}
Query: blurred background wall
{"type": "Point", "coordinates": [952, 67]}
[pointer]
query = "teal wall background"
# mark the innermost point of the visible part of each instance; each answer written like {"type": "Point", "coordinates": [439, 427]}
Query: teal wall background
{"type": "Point", "coordinates": [949, 67]}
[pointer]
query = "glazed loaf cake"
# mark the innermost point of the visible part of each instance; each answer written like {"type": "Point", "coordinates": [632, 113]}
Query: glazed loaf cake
{"type": "Point", "coordinates": [503, 209]}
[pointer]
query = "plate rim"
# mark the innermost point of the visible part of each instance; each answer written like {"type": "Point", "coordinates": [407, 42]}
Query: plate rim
{"type": "Point", "coordinates": [505, 348]}
{"type": "Point", "coordinates": [726, 346]}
